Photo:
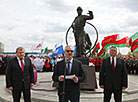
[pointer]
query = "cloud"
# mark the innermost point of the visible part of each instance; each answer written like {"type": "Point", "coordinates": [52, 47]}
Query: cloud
{"type": "Point", "coordinates": [56, 5]}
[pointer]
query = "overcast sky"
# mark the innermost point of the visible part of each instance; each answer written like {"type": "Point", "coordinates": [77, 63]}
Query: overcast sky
{"type": "Point", "coordinates": [26, 22]}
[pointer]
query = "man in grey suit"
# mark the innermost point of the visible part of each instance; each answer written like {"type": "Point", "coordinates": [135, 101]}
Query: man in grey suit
{"type": "Point", "coordinates": [113, 76]}
{"type": "Point", "coordinates": [72, 85]}
{"type": "Point", "coordinates": [20, 76]}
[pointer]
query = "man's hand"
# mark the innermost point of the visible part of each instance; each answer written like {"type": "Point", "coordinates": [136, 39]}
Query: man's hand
{"type": "Point", "coordinates": [90, 12]}
{"type": "Point", "coordinates": [31, 85]}
{"type": "Point", "coordinates": [10, 88]}
{"type": "Point", "coordinates": [102, 86]}
{"type": "Point", "coordinates": [75, 79]}
{"type": "Point", "coordinates": [123, 88]}
{"type": "Point", "coordinates": [61, 78]}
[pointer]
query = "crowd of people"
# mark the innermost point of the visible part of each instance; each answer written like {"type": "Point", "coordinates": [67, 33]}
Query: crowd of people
{"type": "Point", "coordinates": [47, 64]}
{"type": "Point", "coordinates": [131, 63]}
{"type": "Point", "coordinates": [40, 63]}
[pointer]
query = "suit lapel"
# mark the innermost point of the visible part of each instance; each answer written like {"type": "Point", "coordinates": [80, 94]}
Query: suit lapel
{"type": "Point", "coordinates": [116, 63]}
{"type": "Point", "coordinates": [25, 62]}
{"type": "Point", "coordinates": [110, 64]}
{"type": "Point", "coordinates": [72, 67]}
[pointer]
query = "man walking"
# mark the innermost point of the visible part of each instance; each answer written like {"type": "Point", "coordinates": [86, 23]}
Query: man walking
{"type": "Point", "coordinates": [72, 85]}
{"type": "Point", "coordinates": [113, 76]}
{"type": "Point", "coordinates": [20, 76]}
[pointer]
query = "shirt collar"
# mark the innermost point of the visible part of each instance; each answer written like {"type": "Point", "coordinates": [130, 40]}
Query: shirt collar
{"type": "Point", "coordinates": [111, 58]}
{"type": "Point", "coordinates": [71, 60]}
{"type": "Point", "coordinates": [19, 58]}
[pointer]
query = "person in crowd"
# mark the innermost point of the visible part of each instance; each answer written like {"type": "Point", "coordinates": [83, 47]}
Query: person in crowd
{"type": "Point", "coordinates": [72, 85]}
{"type": "Point", "coordinates": [47, 66]}
{"type": "Point", "coordinates": [20, 76]}
{"type": "Point", "coordinates": [113, 76]}
{"type": "Point", "coordinates": [38, 63]}
{"type": "Point", "coordinates": [2, 68]}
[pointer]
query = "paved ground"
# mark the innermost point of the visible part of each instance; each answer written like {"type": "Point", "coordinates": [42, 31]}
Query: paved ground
{"type": "Point", "coordinates": [44, 92]}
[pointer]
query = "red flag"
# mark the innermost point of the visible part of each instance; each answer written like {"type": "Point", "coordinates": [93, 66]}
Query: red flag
{"type": "Point", "coordinates": [109, 39]}
{"type": "Point", "coordinates": [122, 42]}
{"type": "Point", "coordinates": [134, 48]}
{"type": "Point", "coordinates": [130, 42]}
{"type": "Point", "coordinates": [135, 42]}
{"type": "Point", "coordinates": [97, 47]}
{"type": "Point", "coordinates": [101, 52]}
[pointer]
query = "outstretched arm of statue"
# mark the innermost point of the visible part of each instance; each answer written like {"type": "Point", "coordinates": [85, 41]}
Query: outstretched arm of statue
{"type": "Point", "coordinates": [90, 15]}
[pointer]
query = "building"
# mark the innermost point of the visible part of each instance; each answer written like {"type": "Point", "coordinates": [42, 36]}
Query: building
{"type": "Point", "coordinates": [1, 47]}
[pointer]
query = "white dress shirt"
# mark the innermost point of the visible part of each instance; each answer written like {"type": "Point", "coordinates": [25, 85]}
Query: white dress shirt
{"type": "Point", "coordinates": [19, 61]}
{"type": "Point", "coordinates": [114, 61]}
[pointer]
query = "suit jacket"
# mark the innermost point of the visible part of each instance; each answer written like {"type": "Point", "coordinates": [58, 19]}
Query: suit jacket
{"type": "Point", "coordinates": [110, 78]}
{"type": "Point", "coordinates": [70, 85]}
{"type": "Point", "coordinates": [15, 76]}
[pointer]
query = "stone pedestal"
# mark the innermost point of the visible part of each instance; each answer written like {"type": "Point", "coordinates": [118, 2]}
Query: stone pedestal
{"type": "Point", "coordinates": [90, 81]}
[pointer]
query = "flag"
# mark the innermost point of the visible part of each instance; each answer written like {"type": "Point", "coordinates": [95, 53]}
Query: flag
{"type": "Point", "coordinates": [101, 52]}
{"type": "Point", "coordinates": [75, 50]}
{"type": "Point", "coordinates": [130, 42]}
{"type": "Point", "coordinates": [97, 47]}
{"type": "Point", "coordinates": [58, 50]}
{"type": "Point", "coordinates": [134, 48]}
{"type": "Point", "coordinates": [109, 40]}
{"type": "Point", "coordinates": [135, 42]}
{"type": "Point", "coordinates": [36, 47]}
{"type": "Point", "coordinates": [123, 42]}
{"type": "Point", "coordinates": [46, 49]}
{"type": "Point", "coordinates": [134, 36]}
{"type": "Point", "coordinates": [134, 45]}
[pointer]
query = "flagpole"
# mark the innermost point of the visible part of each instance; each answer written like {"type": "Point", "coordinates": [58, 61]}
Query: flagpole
{"type": "Point", "coordinates": [41, 46]}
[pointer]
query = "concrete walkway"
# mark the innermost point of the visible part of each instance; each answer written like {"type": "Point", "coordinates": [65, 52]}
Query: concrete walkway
{"type": "Point", "coordinates": [44, 92]}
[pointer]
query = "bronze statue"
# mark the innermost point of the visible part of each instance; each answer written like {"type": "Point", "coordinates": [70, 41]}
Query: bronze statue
{"type": "Point", "coordinates": [81, 38]}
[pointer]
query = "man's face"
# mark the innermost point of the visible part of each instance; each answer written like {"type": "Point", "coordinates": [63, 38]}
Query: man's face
{"type": "Point", "coordinates": [69, 52]}
{"type": "Point", "coordinates": [113, 51]}
{"type": "Point", "coordinates": [20, 53]}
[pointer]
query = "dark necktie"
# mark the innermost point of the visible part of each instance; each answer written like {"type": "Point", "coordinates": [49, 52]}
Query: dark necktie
{"type": "Point", "coordinates": [22, 64]}
{"type": "Point", "coordinates": [69, 67]}
{"type": "Point", "coordinates": [112, 63]}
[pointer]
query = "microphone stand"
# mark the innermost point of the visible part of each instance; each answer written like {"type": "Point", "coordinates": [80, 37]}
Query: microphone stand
{"type": "Point", "coordinates": [64, 82]}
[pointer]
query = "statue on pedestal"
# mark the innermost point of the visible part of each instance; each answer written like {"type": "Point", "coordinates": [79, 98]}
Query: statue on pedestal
{"type": "Point", "coordinates": [81, 38]}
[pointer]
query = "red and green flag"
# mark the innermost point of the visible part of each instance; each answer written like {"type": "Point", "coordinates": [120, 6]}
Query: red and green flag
{"type": "Point", "coordinates": [134, 36]}
{"type": "Point", "coordinates": [123, 42]}
{"type": "Point", "coordinates": [134, 48]}
{"type": "Point", "coordinates": [135, 42]}
{"type": "Point", "coordinates": [101, 53]}
{"type": "Point", "coordinates": [36, 47]}
{"type": "Point", "coordinates": [109, 40]}
{"type": "Point", "coordinates": [97, 47]}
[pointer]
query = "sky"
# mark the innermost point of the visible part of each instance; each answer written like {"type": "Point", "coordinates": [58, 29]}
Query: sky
{"type": "Point", "coordinates": [27, 22]}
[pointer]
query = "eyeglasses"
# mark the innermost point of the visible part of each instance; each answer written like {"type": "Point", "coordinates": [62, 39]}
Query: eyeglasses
{"type": "Point", "coordinates": [69, 51]}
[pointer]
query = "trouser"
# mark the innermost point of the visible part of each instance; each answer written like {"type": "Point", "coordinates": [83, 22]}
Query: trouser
{"type": "Point", "coordinates": [16, 93]}
{"type": "Point", "coordinates": [108, 94]}
{"type": "Point", "coordinates": [68, 96]}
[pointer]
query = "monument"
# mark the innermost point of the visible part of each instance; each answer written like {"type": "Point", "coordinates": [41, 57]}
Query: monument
{"type": "Point", "coordinates": [84, 43]}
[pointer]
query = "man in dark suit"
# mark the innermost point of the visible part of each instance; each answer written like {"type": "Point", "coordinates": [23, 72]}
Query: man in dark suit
{"type": "Point", "coordinates": [72, 85]}
{"type": "Point", "coordinates": [20, 76]}
{"type": "Point", "coordinates": [113, 76]}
